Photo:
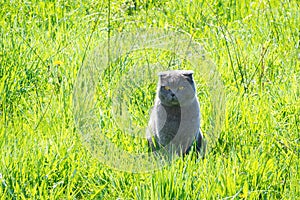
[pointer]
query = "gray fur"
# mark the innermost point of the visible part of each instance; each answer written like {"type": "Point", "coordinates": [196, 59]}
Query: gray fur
{"type": "Point", "coordinates": [175, 119]}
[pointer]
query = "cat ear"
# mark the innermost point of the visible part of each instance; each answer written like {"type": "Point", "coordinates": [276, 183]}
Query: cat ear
{"type": "Point", "coordinates": [161, 74]}
{"type": "Point", "coordinates": [183, 72]}
{"type": "Point", "coordinates": [188, 75]}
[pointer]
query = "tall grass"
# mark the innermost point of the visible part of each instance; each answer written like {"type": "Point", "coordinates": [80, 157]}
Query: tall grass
{"type": "Point", "coordinates": [255, 46]}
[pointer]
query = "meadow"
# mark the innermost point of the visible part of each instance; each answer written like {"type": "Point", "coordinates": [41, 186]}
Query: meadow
{"type": "Point", "coordinates": [46, 45]}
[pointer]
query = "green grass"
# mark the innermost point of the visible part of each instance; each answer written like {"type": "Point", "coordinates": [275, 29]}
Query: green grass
{"type": "Point", "coordinates": [255, 47]}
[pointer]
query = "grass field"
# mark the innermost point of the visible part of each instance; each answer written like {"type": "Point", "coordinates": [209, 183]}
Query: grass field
{"type": "Point", "coordinates": [255, 47]}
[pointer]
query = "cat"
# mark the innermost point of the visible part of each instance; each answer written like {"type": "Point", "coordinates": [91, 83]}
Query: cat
{"type": "Point", "coordinates": [174, 123]}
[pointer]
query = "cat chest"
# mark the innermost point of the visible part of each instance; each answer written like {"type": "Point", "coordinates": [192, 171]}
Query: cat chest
{"type": "Point", "coordinates": [171, 118]}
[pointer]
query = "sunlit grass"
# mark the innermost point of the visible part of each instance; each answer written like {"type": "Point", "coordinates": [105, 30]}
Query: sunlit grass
{"type": "Point", "coordinates": [255, 47]}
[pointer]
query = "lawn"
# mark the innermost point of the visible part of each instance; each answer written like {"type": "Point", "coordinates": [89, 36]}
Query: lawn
{"type": "Point", "coordinates": [78, 81]}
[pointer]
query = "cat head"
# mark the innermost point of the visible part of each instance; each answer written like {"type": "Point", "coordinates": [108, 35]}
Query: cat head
{"type": "Point", "coordinates": [176, 87]}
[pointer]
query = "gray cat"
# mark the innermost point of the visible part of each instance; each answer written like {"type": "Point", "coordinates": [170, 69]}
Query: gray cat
{"type": "Point", "coordinates": [175, 119]}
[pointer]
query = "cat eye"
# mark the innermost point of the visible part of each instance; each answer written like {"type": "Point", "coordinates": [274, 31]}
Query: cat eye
{"type": "Point", "coordinates": [181, 88]}
{"type": "Point", "coordinates": [167, 88]}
